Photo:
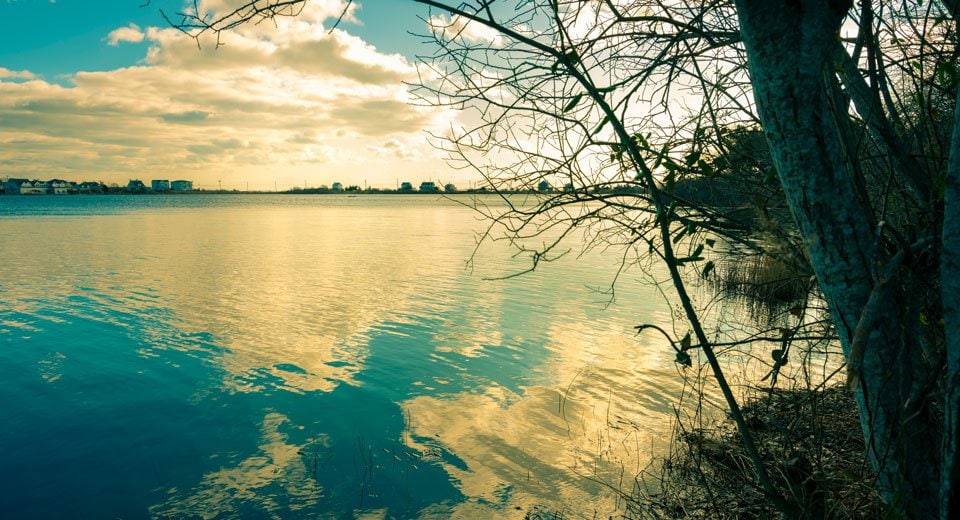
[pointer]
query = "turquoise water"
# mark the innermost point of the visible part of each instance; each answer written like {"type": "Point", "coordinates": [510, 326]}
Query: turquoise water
{"type": "Point", "coordinates": [260, 356]}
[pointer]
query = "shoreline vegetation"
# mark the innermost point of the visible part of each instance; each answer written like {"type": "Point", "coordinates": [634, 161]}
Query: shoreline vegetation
{"type": "Point", "coordinates": [812, 444]}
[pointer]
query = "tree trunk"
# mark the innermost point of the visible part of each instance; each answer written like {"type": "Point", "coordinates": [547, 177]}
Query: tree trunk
{"type": "Point", "coordinates": [950, 279]}
{"type": "Point", "coordinates": [788, 47]}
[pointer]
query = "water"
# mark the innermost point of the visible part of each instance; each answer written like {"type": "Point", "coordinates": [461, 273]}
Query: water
{"type": "Point", "coordinates": [303, 356]}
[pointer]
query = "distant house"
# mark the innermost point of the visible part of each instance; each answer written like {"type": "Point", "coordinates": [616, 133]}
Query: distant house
{"type": "Point", "coordinates": [429, 187]}
{"type": "Point", "coordinates": [160, 185]}
{"type": "Point", "coordinates": [406, 186]}
{"type": "Point", "coordinates": [337, 186]}
{"type": "Point", "coordinates": [12, 186]}
{"type": "Point", "coordinates": [136, 186]}
{"type": "Point", "coordinates": [90, 187]}
{"type": "Point", "coordinates": [35, 188]}
{"type": "Point", "coordinates": [181, 185]}
{"type": "Point", "coordinates": [27, 188]}
{"type": "Point", "coordinates": [63, 187]}
{"type": "Point", "coordinates": [449, 188]}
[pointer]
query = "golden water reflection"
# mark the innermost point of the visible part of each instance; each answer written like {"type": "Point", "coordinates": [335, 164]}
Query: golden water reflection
{"type": "Point", "coordinates": [543, 394]}
{"type": "Point", "coordinates": [289, 293]}
{"type": "Point", "coordinates": [575, 444]}
{"type": "Point", "coordinates": [274, 478]}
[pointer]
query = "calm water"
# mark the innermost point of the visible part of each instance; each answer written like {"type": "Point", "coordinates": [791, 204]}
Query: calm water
{"type": "Point", "coordinates": [303, 357]}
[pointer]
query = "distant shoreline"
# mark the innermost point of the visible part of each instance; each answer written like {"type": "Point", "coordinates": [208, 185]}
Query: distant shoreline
{"type": "Point", "coordinates": [315, 191]}
{"type": "Point", "coordinates": [251, 192]}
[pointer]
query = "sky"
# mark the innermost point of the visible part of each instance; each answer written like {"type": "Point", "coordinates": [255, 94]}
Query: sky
{"type": "Point", "coordinates": [105, 90]}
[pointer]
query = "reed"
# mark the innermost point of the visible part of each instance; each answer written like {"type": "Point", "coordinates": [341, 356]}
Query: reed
{"type": "Point", "coordinates": [764, 278]}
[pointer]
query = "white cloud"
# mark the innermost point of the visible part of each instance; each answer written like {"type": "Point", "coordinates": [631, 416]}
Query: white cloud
{"type": "Point", "coordinates": [267, 103]}
{"type": "Point", "coordinates": [308, 17]}
{"type": "Point", "coordinates": [15, 74]}
{"type": "Point", "coordinates": [335, 54]}
{"type": "Point", "coordinates": [457, 27]}
{"type": "Point", "coordinates": [393, 148]}
{"type": "Point", "coordinates": [130, 34]}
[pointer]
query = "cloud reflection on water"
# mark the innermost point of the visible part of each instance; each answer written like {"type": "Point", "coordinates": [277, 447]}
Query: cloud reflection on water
{"type": "Point", "coordinates": [273, 286]}
{"type": "Point", "coordinates": [274, 480]}
{"type": "Point", "coordinates": [598, 424]}
{"type": "Point", "coordinates": [526, 386]}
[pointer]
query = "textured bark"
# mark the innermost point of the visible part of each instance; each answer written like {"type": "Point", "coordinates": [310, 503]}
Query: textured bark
{"type": "Point", "coordinates": [950, 279]}
{"type": "Point", "coordinates": [788, 46]}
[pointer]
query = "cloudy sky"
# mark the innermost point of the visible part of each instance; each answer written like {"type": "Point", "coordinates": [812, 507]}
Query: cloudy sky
{"type": "Point", "coordinates": [106, 90]}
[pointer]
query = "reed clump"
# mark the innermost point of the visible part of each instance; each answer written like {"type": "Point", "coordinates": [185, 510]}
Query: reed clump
{"type": "Point", "coordinates": [764, 278]}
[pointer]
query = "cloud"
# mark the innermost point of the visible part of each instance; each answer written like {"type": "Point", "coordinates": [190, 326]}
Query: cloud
{"type": "Point", "coordinates": [287, 97]}
{"type": "Point", "coordinates": [252, 483]}
{"type": "Point", "coordinates": [194, 116]}
{"type": "Point", "coordinates": [457, 27]}
{"type": "Point", "coordinates": [15, 74]}
{"type": "Point", "coordinates": [335, 54]}
{"type": "Point", "coordinates": [379, 117]}
{"type": "Point", "coordinates": [130, 34]}
{"type": "Point", "coordinates": [394, 148]}
{"type": "Point", "coordinates": [311, 14]}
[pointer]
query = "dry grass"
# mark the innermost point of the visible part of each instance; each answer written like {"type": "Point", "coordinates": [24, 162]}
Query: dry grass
{"type": "Point", "coordinates": [814, 450]}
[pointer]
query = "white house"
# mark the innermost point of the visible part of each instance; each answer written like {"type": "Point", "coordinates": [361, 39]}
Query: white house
{"type": "Point", "coordinates": [63, 187]}
{"type": "Point", "coordinates": [34, 188]}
